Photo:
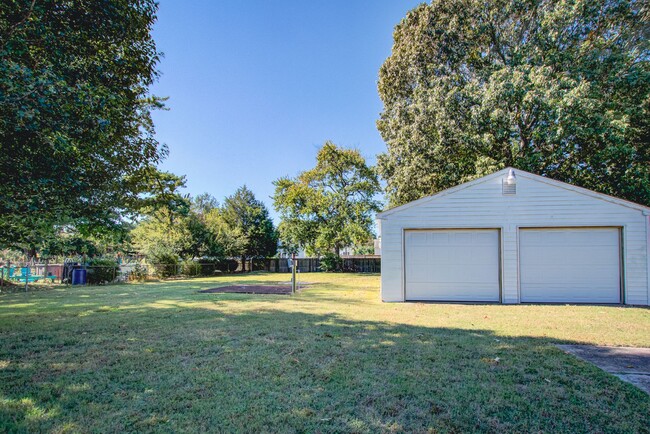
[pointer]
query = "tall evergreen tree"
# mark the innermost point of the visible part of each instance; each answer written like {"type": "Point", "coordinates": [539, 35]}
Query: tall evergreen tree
{"type": "Point", "coordinates": [244, 214]}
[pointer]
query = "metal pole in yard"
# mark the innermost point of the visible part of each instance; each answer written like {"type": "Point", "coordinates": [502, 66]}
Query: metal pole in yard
{"type": "Point", "coordinates": [26, 276]}
{"type": "Point", "coordinates": [293, 273]}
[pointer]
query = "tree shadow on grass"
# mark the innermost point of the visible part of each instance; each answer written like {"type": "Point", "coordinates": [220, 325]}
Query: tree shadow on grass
{"type": "Point", "coordinates": [268, 371]}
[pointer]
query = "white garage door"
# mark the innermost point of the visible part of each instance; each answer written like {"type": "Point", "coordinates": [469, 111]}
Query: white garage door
{"type": "Point", "coordinates": [452, 265]}
{"type": "Point", "coordinates": [570, 265]}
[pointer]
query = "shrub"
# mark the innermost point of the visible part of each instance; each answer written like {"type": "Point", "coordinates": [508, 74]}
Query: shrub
{"type": "Point", "coordinates": [190, 268]}
{"type": "Point", "coordinates": [201, 268]}
{"type": "Point", "coordinates": [331, 262]}
{"type": "Point", "coordinates": [138, 273]}
{"type": "Point", "coordinates": [260, 264]}
{"type": "Point", "coordinates": [208, 268]}
{"type": "Point", "coordinates": [226, 265]}
{"type": "Point", "coordinates": [165, 264]}
{"type": "Point", "coordinates": [102, 271]}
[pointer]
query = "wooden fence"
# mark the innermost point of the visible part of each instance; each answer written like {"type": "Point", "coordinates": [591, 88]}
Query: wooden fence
{"type": "Point", "coordinates": [355, 264]}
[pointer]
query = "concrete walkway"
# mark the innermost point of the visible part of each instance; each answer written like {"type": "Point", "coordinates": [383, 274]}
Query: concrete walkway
{"type": "Point", "coordinates": [628, 364]}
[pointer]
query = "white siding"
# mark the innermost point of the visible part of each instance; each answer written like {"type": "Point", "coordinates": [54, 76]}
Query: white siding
{"type": "Point", "coordinates": [536, 204]}
{"type": "Point", "coordinates": [456, 265]}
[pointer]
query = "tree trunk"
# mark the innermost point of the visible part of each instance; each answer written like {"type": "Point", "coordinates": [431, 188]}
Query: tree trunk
{"type": "Point", "coordinates": [31, 254]}
{"type": "Point", "coordinates": [243, 264]}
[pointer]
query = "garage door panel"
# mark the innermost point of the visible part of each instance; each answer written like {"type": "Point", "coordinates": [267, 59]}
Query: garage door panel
{"type": "Point", "coordinates": [567, 274]}
{"type": "Point", "coordinates": [546, 294]}
{"type": "Point", "coordinates": [456, 291]}
{"type": "Point", "coordinates": [572, 265]}
{"type": "Point", "coordinates": [452, 265]}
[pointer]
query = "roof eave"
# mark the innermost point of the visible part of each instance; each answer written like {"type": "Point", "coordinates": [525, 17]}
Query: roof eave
{"type": "Point", "coordinates": [580, 190]}
{"type": "Point", "coordinates": [451, 190]}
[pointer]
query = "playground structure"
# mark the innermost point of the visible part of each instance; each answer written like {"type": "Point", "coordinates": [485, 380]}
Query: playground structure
{"type": "Point", "coordinates": [25, 274]}
{"type": "Point", "coordinates": [71, 271]}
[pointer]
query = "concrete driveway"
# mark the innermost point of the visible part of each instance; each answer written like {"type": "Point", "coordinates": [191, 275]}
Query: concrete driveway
{"type": "Point", "coordinates": [628, 364]}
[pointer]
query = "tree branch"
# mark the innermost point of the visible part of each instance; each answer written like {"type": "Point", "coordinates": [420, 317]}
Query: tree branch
{"type": "Point", "coordinates": [18, 24]}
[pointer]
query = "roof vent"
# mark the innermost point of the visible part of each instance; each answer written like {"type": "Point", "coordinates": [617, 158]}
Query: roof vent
{"type": "Point", "coordinates": [509, 183]}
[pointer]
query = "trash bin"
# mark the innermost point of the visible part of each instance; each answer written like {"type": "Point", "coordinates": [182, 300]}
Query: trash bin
{"type": "Point", "coordinates": [78, 277]}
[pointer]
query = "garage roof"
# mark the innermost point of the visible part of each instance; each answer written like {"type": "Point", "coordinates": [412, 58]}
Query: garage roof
{"type": "Point", "coordinates": [524, 174]}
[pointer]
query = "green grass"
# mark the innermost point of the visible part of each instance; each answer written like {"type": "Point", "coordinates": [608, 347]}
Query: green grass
{"type": "Point", "coordinates": [163, 357]}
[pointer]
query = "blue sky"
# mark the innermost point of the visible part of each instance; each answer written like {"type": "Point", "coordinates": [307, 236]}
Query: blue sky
{"type": "Point", "coordinates": [255, 88]}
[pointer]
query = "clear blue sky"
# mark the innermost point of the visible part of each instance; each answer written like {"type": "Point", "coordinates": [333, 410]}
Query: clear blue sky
{"type": "Point", "coordinates": [256, 87]}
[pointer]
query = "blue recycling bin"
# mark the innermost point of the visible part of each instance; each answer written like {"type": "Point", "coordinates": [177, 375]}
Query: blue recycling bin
{"type": "Point", "coordinates": [78, 277]}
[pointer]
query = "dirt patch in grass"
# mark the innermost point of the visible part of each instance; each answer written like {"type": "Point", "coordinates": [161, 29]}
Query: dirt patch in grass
{"type": "Point", "coordinates": [251, 289]}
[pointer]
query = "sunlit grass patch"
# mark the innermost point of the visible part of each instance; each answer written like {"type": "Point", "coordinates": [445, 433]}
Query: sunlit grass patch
{"type": "Point", "coordinates": [164, 357]}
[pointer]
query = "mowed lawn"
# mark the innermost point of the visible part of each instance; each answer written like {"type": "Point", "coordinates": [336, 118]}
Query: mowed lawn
{"type": "Point", "coordinates": [163, 357]}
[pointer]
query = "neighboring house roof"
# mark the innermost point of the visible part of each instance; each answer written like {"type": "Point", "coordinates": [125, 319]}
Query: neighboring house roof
{"type": "Point", "coordinates": [524, 174]}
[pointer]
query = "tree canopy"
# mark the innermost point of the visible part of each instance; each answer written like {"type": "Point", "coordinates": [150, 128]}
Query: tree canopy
{"type": "Point", "coordinates": [241, 227]}
{"type": "Point", "coordinates": [188, 232]}
{"type": "Point", "coordinates": [330, 206]}
{"type": "Point", "coordinates": [561, 89]}
{"type": "Point", "coordinates": [249, 217]}
{"type": "Point", "coordinates": [77, 142]}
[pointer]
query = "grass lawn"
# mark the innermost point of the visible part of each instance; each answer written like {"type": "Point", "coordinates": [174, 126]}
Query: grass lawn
{"type": "Point", "coordinates": [163, 357]}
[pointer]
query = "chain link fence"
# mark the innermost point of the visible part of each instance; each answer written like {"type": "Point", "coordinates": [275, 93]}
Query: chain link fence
{"type": "Point", "coordinates": [72, 272]}
{"type": "Point", "coordinates": [13, 273]}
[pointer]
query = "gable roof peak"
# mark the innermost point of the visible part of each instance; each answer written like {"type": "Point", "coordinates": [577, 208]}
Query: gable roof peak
{"type": "Point", "coordinates": [512, 171]}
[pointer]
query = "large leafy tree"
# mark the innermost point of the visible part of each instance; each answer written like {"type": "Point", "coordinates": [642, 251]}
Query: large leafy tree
{"type": "Point", "coordinates": [189, 232]}
{"type": "Point", "coordinates": [161, 242]}
{"type": "Point", "coordinates": [558, 88]}
{"type": "Point", "coordinates": [164, 231]}
{"type": "Point", "coordinates": [330, 206]}
{"type": "Point", "coordinates": [249, 217]}
{"type": "Point", "coordinates": [159, 194]}
{"type": "Point", "coordinates": [76, 138]}
{"type": "Point", "coordinates": [66, 241]}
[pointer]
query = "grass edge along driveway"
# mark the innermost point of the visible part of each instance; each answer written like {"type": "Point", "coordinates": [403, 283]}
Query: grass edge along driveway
{"type": "Point", "coordinates": [162, 357]}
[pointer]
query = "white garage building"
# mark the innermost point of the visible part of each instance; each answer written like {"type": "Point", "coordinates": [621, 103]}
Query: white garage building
{"type": "Point", "coordinates": [515, 237]}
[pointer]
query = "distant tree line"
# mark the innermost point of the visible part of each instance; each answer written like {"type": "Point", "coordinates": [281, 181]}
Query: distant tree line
{"type": "Point", "coordinates": [79, 156]}
{"type": "Point", "coordinates": [560, 89]}
{"type": "Point", "coordinates": [203, 229]}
